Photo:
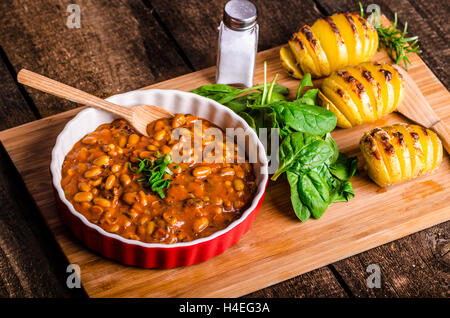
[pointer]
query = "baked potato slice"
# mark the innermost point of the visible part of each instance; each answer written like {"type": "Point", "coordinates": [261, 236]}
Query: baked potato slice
{"type": "Point", "coordinates": [342, 121]}
{"type": "Point", "coordinates": [398, 83]}
{"type": "Point", "coordinates": [372, 89]}
{"type": "Point", "coordinates": [304, 60]}
{"type": "Point", "coordinates": [400, 152]}
{"type": "Point", "coordinates": [357, 92]}
{"type": "Point", "coordinates": [383, 78]}
{"type": "Point", "coordinates": [332, 42]}
{"type": "Point", "coordinates": [289, 63]}
{"type": "Point", "coordinates": [349, 32]}
{"type": "Point", "coordinates": [341, 100]}
{"type": "Point", "coordinates": [414, 149]}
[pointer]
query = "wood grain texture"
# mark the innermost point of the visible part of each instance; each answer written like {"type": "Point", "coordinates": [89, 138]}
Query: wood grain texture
{"type": "Point", "coordinates": [317, 283]}
{"type": "Point", "coordinates": [264, 256]}
{"type": "Point", "coordinates": [31, 263]}
{"type": "Point", "coordinates": [193, 24]}
{"type": "Point", "coordinates": [119, 47]}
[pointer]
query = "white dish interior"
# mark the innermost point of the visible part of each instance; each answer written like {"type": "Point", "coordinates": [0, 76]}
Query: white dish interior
{"type": "Point", "coordinates": [174, 101]}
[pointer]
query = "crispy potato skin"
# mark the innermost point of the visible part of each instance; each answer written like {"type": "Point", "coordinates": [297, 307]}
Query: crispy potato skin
{"type": "Point", "coordinates": [363, 93]}
{"type": "Point", "coordinates": [330, 44]}
{"type": "Point", "coordinates": [400, 152]}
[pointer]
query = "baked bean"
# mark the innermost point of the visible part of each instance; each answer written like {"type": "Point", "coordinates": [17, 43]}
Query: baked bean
{"type": "Point", "coordinates": [84, 187]}
{"type": "Point", "coordinates": [122, 141]}
{"type": "Point", "coordinates": [201, 171]}
{"type": "Point", "coordinates": [93, 172]}
{"type": "Point", "coordinates": [152, 148]}
{"type": "Point", "coordinates": [89, 140]}
{"type": "Point", "coordinates": [116, 168]}
{"type": "Point", "coordinates": [132, 140]}
{"type": "Point", "coordinates": [191, 119]}
{"type": "Point", "coordinates": [238, 184]}
{"type": "Point", "coordinates": [150, 227]}
{"type": "Point", "coordinates": [129, 197]}
{"type": "Point", "coordinates": [227, 172]}
{"type": "Point", "coordinates": [159, 135]}
{"type": "Point", "coordinates": [83, 197]}
{"type": "Point", "coordinates": [95, 182]}
{"type": "Point", "coordinates": [165, 149]}
{"type": "Point", "coordinates": [114, 228]}
{"type": "Point", "coordinates": [159, 125]}
{"type": "Point", "coordinates": [145, 154]}
{"type": "Point", "coordinates": [102, 161]}
{"type": "Point", "coordinates": [178, 121]}
{"type": "Point", "coordinates": [102, 202]}
{"type": "Point", "coordinates": [110, 181]}
{"type": "Point", "coordinates": [238, 204]}
{"type": "Point", "coordinates": [125, 179]}
{"type": "Point", "coordinates": [143, 198]}
{"type": "Point", "coordinates": [169, 218]}
{"type": "Point", "coordinates": [200, 224]}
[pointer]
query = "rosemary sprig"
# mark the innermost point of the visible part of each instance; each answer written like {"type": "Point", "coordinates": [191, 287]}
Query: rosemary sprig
{"type": "Point", "coordinates": [396, 43]}
{"type": "Point", "coordinates": [153, 172]}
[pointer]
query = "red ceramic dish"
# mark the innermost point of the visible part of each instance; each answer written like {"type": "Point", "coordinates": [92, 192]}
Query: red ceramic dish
{"type": "Point", "coordinates": [156, 255]}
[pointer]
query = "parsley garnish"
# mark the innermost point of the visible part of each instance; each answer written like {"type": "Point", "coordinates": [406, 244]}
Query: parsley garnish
{"type": "Point", "coordinates": [153, 172]}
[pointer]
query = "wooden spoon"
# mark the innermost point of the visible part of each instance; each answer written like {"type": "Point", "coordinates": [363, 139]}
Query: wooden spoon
{"type": "Point", "coordinates": [138, 116]}
{"type": "Point", "coordinates": [416, 108]}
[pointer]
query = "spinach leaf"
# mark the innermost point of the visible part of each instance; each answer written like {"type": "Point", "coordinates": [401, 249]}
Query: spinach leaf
{"type": "Point", "coordinates": [300, 210]}
{"type": "Point", "coordinates": [305, 118]}
{"type": "Point", "coordinates": [343, 191]}
{"type": "Point", "coordinates": [310, 97]}
{"type": "Point", "coordinates": [333, 145]}
{"type": "Point", "coordinates": [314, 193]}
{"type": "Point", "coordinates": [344, 167]}
{"type": "Point", "coordinates": [302, 151]}
{"type": "Point", "coordinates": [306, 81]}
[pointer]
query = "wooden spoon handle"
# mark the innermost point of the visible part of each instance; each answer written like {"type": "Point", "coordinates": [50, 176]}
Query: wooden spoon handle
{"type": "Point", "coordinates": [443, 132]}
{"type": "Point", "coordinates": [56, 88]}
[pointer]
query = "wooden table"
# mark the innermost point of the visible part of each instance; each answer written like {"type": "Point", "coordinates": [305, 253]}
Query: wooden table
{"type": "Point", "coordinates": [125, 45]}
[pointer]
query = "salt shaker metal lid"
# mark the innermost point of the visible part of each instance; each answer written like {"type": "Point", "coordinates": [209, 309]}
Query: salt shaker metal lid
{"type": "Point", "coordinates": [240, 15]}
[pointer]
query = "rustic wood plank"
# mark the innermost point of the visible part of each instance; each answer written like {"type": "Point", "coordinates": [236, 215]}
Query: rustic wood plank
{"type": "Point", "coordinates": [31, 263]}
{"type": "Point", "coordinates": [318, 283]}
{"type": "Point", "coordinates": [415, 266]}
{"type": "Point", "coordinates": [119, 47]}
{"type": "Point", "coordinates": [194, 24]}
{"type": "Point", "coordinates": [412, 266]}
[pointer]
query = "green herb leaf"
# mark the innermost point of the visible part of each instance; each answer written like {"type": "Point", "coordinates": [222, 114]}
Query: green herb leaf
{"type": "Point", "coordinates": [306, 81]}
{"type": "Point", "coordinates": [304, 118]}
{"type": "Point", "coordinates": [395, 42]}
{"type": "Point", "coordinates": [153, 173]}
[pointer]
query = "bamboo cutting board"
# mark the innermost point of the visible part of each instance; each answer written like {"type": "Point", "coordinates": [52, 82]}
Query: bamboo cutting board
{"type": "Point", "coordinates": [278, 246]}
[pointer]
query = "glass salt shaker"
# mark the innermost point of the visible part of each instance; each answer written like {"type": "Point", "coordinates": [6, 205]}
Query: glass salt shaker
{"type": "Point", "coordinates": [238, 42]}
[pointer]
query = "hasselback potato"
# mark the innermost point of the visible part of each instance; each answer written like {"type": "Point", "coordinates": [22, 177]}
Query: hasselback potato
{"type": "Point", "coordinates": [363, 93]}
{"type": "Point", "coordinates": [330, 44]}
{"type": "Point", "coordinates": [400, 152]}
